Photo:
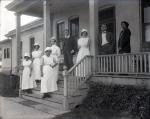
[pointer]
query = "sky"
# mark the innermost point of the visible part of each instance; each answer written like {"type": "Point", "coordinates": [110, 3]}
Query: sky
{"type": "Point", "coordinates": [7, 19]}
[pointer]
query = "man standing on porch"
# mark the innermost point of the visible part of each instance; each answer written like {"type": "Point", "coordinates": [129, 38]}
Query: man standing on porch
{"type": "Point", "coordinates": [69, 48]}
{"type": "Point", "coordinates": [106, 43]}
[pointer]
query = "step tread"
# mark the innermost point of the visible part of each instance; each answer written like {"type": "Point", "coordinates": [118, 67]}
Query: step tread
{"type": "Point", "coordinates": [56, 100]}
{"type": "Point", "coordinates": [51, 104]}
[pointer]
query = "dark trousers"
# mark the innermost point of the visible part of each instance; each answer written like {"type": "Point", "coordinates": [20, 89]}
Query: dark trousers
{"type": "Point", "coordinates": [68, 60]}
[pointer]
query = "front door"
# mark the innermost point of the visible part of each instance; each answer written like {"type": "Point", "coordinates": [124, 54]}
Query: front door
{"type": "Point", "coordinates": [60, 35]}
{"type": "Point", "coordinates": [107, 16]}
{"type": "Point", "coordinates": [74, 27]}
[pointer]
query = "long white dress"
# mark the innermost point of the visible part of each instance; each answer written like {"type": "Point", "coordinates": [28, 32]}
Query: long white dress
{"type": "Point", "coordinates": [56, 53]}
{"type": "Point", "coordinates": [83, 44]}
{"type": "Point", "coordinates": [27, 81]}
{"type": "Point", "coordinates": [48, 81]}
{"type": "Point", "coordinates": [36, 55]}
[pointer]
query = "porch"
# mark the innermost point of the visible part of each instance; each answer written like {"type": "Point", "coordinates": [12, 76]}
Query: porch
{"type": "Point", "coordinates": [122, 69]}
{"type": "Point", "coordinates": [125, 69]}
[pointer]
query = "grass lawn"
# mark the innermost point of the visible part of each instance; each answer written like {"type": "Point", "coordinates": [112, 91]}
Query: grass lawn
{"type": "Point", "coordinates": [112, 102]}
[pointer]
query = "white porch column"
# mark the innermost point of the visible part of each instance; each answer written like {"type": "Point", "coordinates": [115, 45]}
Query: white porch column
{"type": "Point", "coordinates": [93, 17]}
{"type": "Point", "coordinates": [47, 23]}
{"type": "Point", "coordinates": [18, 39]}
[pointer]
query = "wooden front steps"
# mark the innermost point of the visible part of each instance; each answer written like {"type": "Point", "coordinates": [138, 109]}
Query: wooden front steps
{"type": "Point", "coordinates": [56, 101]}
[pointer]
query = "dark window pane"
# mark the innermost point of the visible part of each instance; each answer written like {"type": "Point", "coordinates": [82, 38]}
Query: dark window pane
{"type": "Point", "coordinates": [8, 53]}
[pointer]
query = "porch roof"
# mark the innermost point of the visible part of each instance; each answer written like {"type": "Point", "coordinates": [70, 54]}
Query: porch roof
{"type": "Point", "coordinates": [35, 7]}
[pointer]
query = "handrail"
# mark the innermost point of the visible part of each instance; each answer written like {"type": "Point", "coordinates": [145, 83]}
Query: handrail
{"type": "Point", "coordinates": [72, 68]}
{"type": "Point", "coordinates": [77, 75]}
{"type": "Point", "coordinates": [127, 63]}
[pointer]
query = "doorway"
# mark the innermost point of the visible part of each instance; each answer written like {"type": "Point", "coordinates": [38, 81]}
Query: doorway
{"type": "Point", "coordinates": [107, 16]}
{"type": "Point", "coordinates": [74, 27]}
{"type": "Point", "coordinates": [60, 35]}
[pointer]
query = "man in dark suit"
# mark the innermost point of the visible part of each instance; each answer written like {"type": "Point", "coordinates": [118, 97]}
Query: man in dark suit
{"type": "Point", "coordinates": [69, 49]}
{"type": "Point", "coordinates": [106, 43]}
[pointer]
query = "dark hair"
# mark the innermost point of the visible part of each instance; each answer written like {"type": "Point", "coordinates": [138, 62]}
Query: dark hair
{"type": "Point", "coordinates": [36, 45]}
{"type": "Point", "coordinates": [54, 40]}
{"type": "Point", "coordinates": [126, 23]}
{"type": "Point", "coordinates": [84, 32]}
{"type": "Point", "coordinates": [66, 30]}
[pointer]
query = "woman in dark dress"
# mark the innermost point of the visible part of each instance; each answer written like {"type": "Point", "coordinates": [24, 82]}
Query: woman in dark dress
{"type": "Point", "coordinates": [124, 38]}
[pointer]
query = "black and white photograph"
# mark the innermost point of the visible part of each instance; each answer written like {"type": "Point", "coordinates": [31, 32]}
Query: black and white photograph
{"type": "Point", "coordinates": [74, 59]}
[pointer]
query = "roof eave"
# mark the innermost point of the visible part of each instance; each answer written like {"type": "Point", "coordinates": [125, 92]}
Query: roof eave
{"type": "Point", "coordinates": [13, 5]}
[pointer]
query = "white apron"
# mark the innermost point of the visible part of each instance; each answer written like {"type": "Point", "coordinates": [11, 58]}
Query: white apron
{"type": "Point", "coordinates": [56, 53]}
{"type": "Point", "coordinates": [27, 81]}
{"type": "Point", "coordinates": [36, 55]}
{"type": "Point", "coordinates": [48, 81]}
{"type": "Point", "coordinates": [83, 51]}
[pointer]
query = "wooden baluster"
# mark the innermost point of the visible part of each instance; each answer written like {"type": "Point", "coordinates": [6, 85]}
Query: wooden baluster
{"type": "Point", "coordinates": [129, 57]}
{"type": "Point", "coordinates": [145, 61]}
{"type": "Point", "coordinates": [104, 64]}
{"type": "Point", "coordinates": [149, 62]}
{"type": "Point", "coordinates": [119, 62]}
{"type": "Point", "coordinates": [126, 63]}
{"type": "Point", "coordinates": [110, 64]}
{"type": "Point", "coordinates": [106, 70]}
{"type": "Point", "coordinates": [122, 64]}
{"type": "Point", "coordinates": [137, 63]}
{"type": "Point", "coordinates": [101, 64]}
{"type": "Point", "coordinates": [113, 63]}
{"type": "Point", "coordinates": [133, 63]}
{"type": "Point", "coordinates": [141, 64]}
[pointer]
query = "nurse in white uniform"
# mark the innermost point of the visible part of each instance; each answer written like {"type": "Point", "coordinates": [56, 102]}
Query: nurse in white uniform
{"type": "Point", "coordinates": [27, 81]}
{"type": "Point", "coordinates": [83, 45]}
{"type": "Point", "coordinates": [56, 53]}
{"type": "Point", "coordinates": [48, 81]}
{"type": "Point", "coordinates": [36, 55]}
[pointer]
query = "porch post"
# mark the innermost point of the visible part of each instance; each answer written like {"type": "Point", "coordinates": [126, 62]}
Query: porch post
{"type": "Point", "coordinates": [18, 40]}
{"type": "Point", "coordinates": [93, 17]}
{"type": "Point", "coordinates": [47, 24]}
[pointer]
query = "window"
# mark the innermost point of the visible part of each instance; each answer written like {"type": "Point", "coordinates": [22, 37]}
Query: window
{"type": "Point", "coordinates": [74, 27]}
{"type": "Point", "coordinates": [146, 23]}
{"type": "Point", "coordinates": [6, 53]}
{"type": "Point", "coordinates": [60, 35]}
{"type": "Point", "coordinates": [32, 41]}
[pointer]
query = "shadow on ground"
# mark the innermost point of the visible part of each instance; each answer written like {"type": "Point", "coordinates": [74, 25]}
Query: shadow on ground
{"type": "Point", "coordinates": [8, 86]}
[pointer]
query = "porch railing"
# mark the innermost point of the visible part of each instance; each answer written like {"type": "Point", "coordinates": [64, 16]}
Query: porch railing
{"type": "Point", "coordinates": [132, 63]}
{"type": "Point", "coordinates": [77, 75]}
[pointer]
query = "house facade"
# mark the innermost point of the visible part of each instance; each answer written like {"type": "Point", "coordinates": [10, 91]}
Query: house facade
{"type": "Point", "coordinates": [6, 56]}
{"type": "Point", "coordinates": [30, 33]}
{"type": "Point", "coordinates": [90, 14]}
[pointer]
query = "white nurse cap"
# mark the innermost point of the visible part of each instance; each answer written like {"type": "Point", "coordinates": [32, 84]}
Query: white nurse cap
{"type": "Point", "coordinates": [35, 44]}
{"type": "Point", "coordinates": [53, 38]}
{"type": "Point", "coordinates": [26, 55]}
{"type": "Point", "coordinates": [83, 30]}
{"type": "Point", "coordinates": [47, 48]}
